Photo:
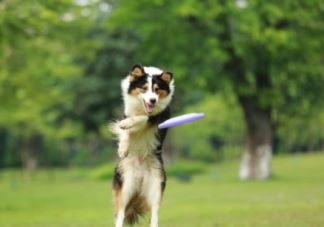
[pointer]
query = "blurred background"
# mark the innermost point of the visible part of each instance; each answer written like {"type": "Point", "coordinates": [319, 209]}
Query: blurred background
{"type": "Point", "coordinates": [255, 68]}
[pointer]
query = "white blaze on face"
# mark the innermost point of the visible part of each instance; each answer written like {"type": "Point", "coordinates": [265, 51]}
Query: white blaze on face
{"type": "Point", "coordinates": [149, 97]}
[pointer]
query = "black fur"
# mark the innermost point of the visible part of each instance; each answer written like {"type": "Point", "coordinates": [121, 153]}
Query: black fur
{"type": "Point", "coordinates": [157, 119]}
{"type": "Point", "coordinates": [156, 79]}
{"type": "Point", "coordinates": [161, 83]}
{"type": "Point", "coordinates": [137, 83]}
{"type": "Point", "coordinates": [117, 180]}
{"type": "Point", "coordinates": [163, 183]}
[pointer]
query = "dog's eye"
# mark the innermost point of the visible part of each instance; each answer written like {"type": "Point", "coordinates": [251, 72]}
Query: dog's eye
{"type": "Point", "coordinates": [156, 89]}
{"type": "Point", "coordinates": [144, 89]}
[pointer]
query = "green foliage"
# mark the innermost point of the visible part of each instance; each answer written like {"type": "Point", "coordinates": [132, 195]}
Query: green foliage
{"type": "Point", "coordinates": [103, 172]}
{"type": "Point", "coordinates": [36, 67]}
{"type": "Point", "coordinates": [61, 63]}
{"type": "Point", "coordinates": [201, 40]}
{"type": "Point", "coordinates": [268, 52]}
{"type": "Point", "coordinates": [59, 77]}
{"type": "Point", "coordinates": [30, 69]}
{"type": "Point", "coordinates": [98, 95]}
{"type": "Point", "coordinates": [302, 133]}
{"type": "Point", "coordinates": [184, 170]}
{"type": "Point", "coordinates": [221, 129]}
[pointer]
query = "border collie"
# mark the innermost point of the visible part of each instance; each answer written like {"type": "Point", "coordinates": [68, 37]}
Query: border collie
{"type": "Point", "coordinates": [139, 178]}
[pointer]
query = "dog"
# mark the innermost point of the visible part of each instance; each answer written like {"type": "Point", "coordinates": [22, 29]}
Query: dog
{"type": "Point", "coordinates": [139, 179]}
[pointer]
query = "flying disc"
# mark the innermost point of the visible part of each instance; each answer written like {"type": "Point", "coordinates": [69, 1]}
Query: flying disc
{"type": "Point", "coordinates": [182, 119]}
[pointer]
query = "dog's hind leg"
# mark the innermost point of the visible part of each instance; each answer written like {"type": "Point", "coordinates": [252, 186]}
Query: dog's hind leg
{"type": "Point", "coordinates": [154, 196]}
{"type": "Point", "coordinates": [154, 215]}
{"type": "Point", "coordinates": [120, 218]}
{"type": "Point", "coordinates": [126, 193]}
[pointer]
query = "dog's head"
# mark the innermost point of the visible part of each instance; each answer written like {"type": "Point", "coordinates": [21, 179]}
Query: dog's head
{"type": "Point", "coordinates": [150, 88]}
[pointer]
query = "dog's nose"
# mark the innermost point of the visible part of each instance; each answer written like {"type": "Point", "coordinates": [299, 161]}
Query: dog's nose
{"type": "Point", "coordinates": [153, 101]}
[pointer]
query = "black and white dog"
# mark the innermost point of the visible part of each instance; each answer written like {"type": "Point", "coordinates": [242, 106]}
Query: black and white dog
{"type": "Point", "coordinates": [139, 178]}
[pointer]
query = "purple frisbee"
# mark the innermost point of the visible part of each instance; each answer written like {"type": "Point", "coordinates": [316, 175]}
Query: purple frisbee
{"type": "Point", "coordinates": [182, 119]}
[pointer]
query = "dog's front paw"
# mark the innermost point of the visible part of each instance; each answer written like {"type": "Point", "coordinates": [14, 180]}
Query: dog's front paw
{"type": "Point", "coordinates": [126, 124]}
{"type": "Point", "coordinates": [135, 122]}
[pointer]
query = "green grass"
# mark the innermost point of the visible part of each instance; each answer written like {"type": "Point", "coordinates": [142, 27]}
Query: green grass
{"type": "Point", "coordinates": [293, 197]}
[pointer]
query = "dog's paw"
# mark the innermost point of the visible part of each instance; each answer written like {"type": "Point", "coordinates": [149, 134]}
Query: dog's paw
{"type": "Point", "coordinates": [135, 122]}
{"type": "Point", "coordinates": [126, 124]}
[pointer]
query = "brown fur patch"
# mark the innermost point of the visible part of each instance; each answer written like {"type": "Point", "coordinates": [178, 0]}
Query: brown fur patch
{"type": "Point", "coordinates": [166, 76]}
{"type": "Point", "coordinates": [163, 183]}
{"type": "Point", "coordinates": [137, 72]}
{"type": "Point", "coordinates": [136, 207]}
{"type": "Point", "coordinates": [135, 92]}
{"type": "Point", "coordinates": [117, 199]}
{"type": "Point", "coordinates": [163, 93]}
{"type": "Point", "coordinates": [160, 92]}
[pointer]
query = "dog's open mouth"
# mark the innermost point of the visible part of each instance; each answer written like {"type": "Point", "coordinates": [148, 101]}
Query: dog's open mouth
{"type": "Point", "coordinates": [148, 107]}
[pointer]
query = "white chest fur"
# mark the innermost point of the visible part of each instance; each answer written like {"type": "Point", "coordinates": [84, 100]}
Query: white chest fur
{"type": "Point", "coordinates": [143, 175]}
{"type": "Point", "coordinates": [143, 143]}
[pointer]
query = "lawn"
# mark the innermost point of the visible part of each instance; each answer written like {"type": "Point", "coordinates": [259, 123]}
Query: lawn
{"type": "Point", "coordinates": [293, 197]}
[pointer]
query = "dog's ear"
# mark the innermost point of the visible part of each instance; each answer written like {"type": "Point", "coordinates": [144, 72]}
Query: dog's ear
{"type": "Point", "coordinates": [137, 71]}
{"type": "Point", "coordinates": [166, 77]}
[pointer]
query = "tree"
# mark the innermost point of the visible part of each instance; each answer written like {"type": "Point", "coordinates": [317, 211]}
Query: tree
{"type": "Point", "coordinates": [269, 53]}
{"type": "Point", "coordinates": [36, 67]}
{"type": "Point", "coordinates": [60, 71]}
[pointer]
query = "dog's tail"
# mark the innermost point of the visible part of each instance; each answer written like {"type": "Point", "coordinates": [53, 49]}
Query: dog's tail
{"type": "Point", "coordinates": [136, 208]}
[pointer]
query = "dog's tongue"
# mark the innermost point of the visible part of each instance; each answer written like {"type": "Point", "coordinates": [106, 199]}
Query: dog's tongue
{"type": "Point", "coordinates": [149, 108]}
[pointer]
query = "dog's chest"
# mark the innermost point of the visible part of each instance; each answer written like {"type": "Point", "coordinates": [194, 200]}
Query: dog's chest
{"type": "Point", "coordinates": [141, 171]}
{"type": "Point", "coordinates": [143, 142]}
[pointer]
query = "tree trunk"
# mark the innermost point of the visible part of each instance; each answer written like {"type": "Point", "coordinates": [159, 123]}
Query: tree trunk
{"type": "Point", "coordinates": [3, 146]}
{"type": "Point", "coordinates": [256, 159]}
{"type": "Point", "coordinates": [29, 152]}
